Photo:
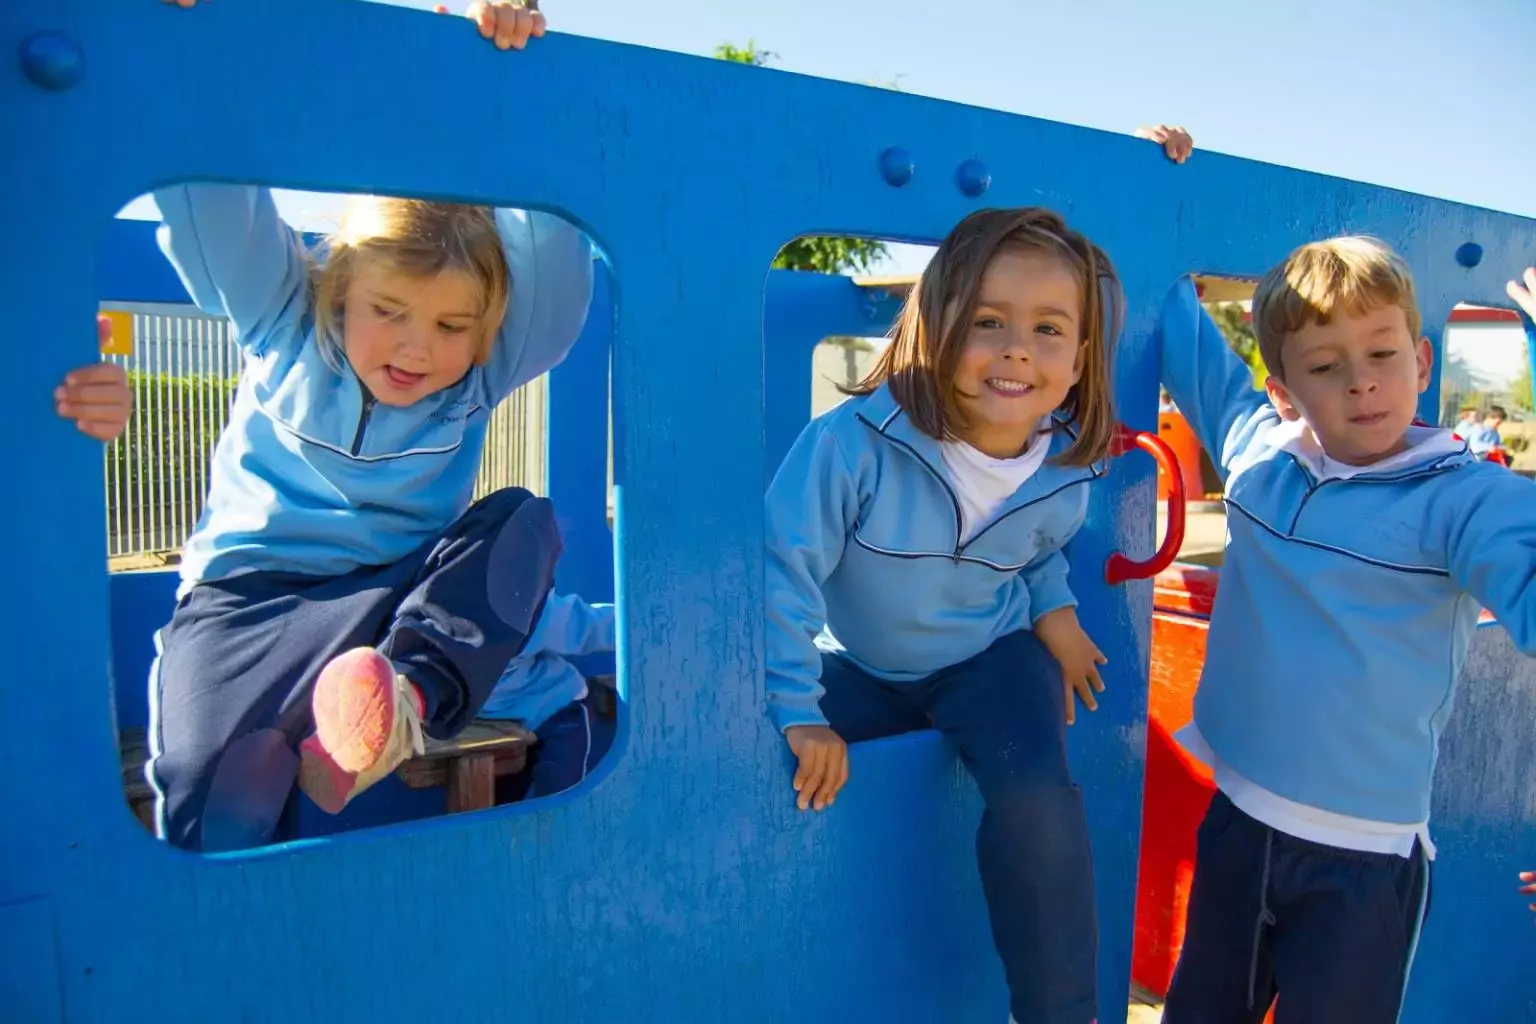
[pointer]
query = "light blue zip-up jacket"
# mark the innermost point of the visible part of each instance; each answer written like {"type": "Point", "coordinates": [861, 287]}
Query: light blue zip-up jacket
{"type": "Point", "coordinates": [1345, 606]}
{"type": "Point", "coordinates": [310, 475]}
{"type": "Point", "coordinates": [539, 681]}
{"type": "Point", "coordinates": [863, 538]}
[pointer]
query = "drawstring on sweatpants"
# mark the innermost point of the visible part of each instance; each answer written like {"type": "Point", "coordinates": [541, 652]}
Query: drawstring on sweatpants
{"type": "Point", "coordinates": [1265, 917]}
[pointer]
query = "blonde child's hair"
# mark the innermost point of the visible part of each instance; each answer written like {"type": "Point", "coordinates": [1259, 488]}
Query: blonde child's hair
{"type": "Point", "coordinates": [418, 239]}
{"type": "Point", "coordinates": [1353, 274]}
{"type": "Point", "coordinates": [920, 362]}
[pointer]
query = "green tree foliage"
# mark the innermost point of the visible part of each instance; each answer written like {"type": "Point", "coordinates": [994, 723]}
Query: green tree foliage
{"type": "Point", "coordinates": [1235, 326]}
{"type": "Point", "coordinates": [821, 254]}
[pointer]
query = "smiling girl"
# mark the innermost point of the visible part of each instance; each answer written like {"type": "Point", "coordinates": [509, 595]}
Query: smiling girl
{"type": "Point", "coordinates": [922, 524]}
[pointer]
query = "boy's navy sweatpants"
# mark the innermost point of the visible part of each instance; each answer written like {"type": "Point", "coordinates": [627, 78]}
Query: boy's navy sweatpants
{"type": "Point", "coordinates": [570, 744]}
{"type": "Point", "coordinates": [230, 689]}
{"type": "Point", "coordinates": [1005, 711]}
{"type": "Point", "coordinates": [1329, 931]}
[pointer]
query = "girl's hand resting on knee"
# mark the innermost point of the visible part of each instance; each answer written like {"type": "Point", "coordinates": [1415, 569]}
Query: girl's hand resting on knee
{"type": "Point", "coordinates": [1078, 656]}
{"type": "Point", "coordinates": [823, 769]}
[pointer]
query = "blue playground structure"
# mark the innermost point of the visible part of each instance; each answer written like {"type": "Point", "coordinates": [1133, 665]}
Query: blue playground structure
{"type": "Point", "coordinates": [679, 885]}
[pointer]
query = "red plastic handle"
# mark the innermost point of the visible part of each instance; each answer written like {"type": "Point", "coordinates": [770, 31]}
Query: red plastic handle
{"type": "Point", "coordinates": [1119, 568]}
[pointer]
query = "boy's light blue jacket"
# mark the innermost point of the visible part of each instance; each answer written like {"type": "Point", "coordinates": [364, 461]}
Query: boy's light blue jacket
{"type": "Point", "coordinates": [539, 681]}
{"type": "Point", "coordinates": [863, 537]}
{"type": "Point", "coordinates": [1345, 606]}
{"type": "Point", "coordinates": [310, 475]}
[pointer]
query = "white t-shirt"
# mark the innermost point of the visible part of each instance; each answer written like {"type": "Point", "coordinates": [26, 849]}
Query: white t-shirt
{"type": "Point", "coordinates": [983, 484]}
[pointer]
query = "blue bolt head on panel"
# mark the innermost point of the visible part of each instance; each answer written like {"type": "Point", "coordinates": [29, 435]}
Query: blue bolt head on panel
{"type": "Point", "coordinates": [896, 166]}
{"type": "Point", "coordinates": [52, 60]}
{"type": "Point", "coordinates": [973, 178]}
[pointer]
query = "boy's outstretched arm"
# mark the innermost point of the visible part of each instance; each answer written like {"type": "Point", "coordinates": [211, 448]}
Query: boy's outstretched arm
{"type": "Point", "coordinates": [1211, 386]}
{"type": "Point", "coordinates": [1488, 521]}
{"type": "Point", "coordinates": [96, 396]}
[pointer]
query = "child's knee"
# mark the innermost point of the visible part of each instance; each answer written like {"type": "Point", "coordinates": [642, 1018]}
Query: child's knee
{"type": "Point", "coordinates": [1045, 823]}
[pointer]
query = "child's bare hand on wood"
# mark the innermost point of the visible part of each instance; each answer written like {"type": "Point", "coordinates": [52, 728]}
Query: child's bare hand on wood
{"type": "Point", "coordinates": [823, 767]}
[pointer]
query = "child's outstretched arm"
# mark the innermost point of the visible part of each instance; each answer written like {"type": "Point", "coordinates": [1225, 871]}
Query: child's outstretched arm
{"type": "Point", "coordinates": [96, 396]}
{"type": "Point", "coordinates": [551, 264]}
{"type": "Point", "coordinates": [1212, 388]}
{"type": "Point", "coordinates": [569, 626]}
{"type": "Point", "coordinates": [1488, 522]}
{"type": "Point", "coordinates": [236, 257]}
{"type": "Point", "coordinates": [810, 508]}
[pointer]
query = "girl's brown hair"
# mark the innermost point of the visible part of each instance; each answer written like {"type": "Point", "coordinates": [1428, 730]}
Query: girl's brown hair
{"type": "Point", "coordinates": [920, 362]}
{"type": "Point", "coordinates": [419, 239]}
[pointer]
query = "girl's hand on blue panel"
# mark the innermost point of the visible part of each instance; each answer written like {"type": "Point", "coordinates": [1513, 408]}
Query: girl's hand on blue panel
{"type": "Point", "coordinates": [508, 25]}
{"type": "Point", "coordinates": [1078, 656]}
{"type": "Point", "coordinates": [823, 769]}
{"type": "Point", "coordinates": [1529, 888]}
{"type": "Point", "coordinates": [96, 396]}
{"type": "Point", "coordinates": [1524, 294]}
{"type": "Point", "coordinates": [1175, 140]}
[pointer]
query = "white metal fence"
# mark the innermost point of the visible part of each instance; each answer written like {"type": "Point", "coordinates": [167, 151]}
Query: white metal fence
{"type": "Point", "coordinates": [182, 370]}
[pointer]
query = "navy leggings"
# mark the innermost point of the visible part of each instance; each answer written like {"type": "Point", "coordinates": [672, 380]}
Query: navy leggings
{"type": "Point", "coordinates": [229, 691]}
{"type": "Point", "coordinates": [1004, 709]}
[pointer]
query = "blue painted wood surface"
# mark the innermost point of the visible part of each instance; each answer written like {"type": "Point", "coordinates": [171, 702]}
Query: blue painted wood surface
{"type": "Point", "coordinates": [679, 885]}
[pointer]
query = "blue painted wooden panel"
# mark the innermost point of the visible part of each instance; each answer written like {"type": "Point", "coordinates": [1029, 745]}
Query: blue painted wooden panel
{"type": "Point", "coordinates": [679, 885]}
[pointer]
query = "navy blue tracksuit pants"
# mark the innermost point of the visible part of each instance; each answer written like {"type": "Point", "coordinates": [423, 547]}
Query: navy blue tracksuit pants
{"type": "Point", "coordinates": [570, 744]}
{"type": "Point", "coordinates": [1004, 710]}
{"type": "Point", "coordinates": [1331, 932]}
{"type": "Point", "coordinates": [229, 694]}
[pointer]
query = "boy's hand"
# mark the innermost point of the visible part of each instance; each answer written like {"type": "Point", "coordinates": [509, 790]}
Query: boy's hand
{"type": "Point", "coordinates": [509, 25]}
{"type": "Point", "coordinates": [96, 397]}
{"type": "Point", "coordinates": [1175, 140]}
{"type": "Point", "coordinates": [1529, 888]}
{"type": "Point", "coordinates": [1077, 655]}
{"type": "Point", "coordinates": [1524, 295]}
{"type": "Point", "coordinates": [823, 767]}
{"type": "Point", "coordinates": [180, 3]}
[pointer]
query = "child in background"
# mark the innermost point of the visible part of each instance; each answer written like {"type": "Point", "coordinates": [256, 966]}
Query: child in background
{"type": "Point", "coordinates": [1484, 439]}
{"type": "Point", "coordinates": [339, 593]}
{"type": "Point", "coordinates": [1467, 423]}
{"type": "Point", "coordinates": [1359, 549]}
{"type": "Point", "coordinates": [545, 692]}
{"type": "Point", "coordinates": [922, 524]}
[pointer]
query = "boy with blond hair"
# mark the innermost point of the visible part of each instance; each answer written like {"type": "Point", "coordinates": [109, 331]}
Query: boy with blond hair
{"type": "Point", "coordinates": [1360, 546]}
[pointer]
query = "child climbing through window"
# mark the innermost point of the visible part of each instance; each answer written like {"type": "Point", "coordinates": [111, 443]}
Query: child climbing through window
{"type": "Point", "coordinates": [1359, 549]}
{"type": "Point", "coordinates": [545, 692]}
{"type": "Point", "coordinates": [340, 594]}
{"type": "Point", "coordinates": [922, 524]}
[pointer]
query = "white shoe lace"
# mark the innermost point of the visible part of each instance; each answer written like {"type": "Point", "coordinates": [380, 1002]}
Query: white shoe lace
{"type": "Point", "coordinates": [407, 719]}
{"type": "Point", "coordinates": [405, 739]}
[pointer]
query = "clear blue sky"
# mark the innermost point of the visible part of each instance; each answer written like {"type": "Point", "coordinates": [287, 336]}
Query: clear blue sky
{"type": "Point", "coordinates": [1395, 92]}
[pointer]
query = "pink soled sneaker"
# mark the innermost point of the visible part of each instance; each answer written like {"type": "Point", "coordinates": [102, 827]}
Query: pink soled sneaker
{"type": "Point", "coordinates": [367, 721]}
